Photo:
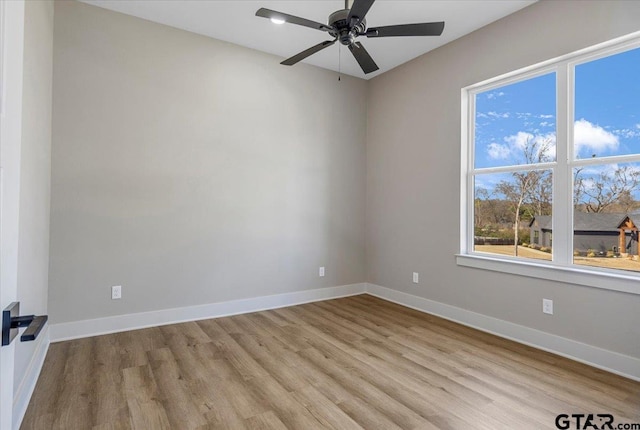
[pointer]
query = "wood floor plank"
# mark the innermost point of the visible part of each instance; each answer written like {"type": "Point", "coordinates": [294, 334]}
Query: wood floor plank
{"type": "Point", "coordinates": [228, 384]}
{"type": "Point", "coordinates": [74, 405]}
{"type": "Point", "coordinates": [376, 398]}
{"type": "Point", "coordinates": [278, 331]}
{"type": "Point", "coordinates": [351, 363]}
{"type": "Point", "coordinates": [369, 418]}
{"type": "Point", "coordinates": [215, 406]}
{"type": "Point", "coordinates": [374, 330]}
{"type": "Point", "coordinates": [273, 317]}
{"type": "Point", "coordinates": [286, 376]}
{"type": "Point", "coordinates": [177, 400]}
{"type": "Point", "coordinates": [324, 410]}
{"type": "Point", "coordinates": [464, 394]}
{"type": "Point", "coordinates": [145, 407]}
{"type": "Point", "coordinates": [44, 401]}
{"type": "Point", "coordinates": [117, 425]}
{"type": "Point", "coordinates": [266, 421]}
{"type": "Point", "coordinates": [423, 398]}
{"type": "Point", "coordinates": [111, 408]}
{"type": "Point", "coordinates": [135, 344]}
{"type": "Point", "coordinates": [292, 414]}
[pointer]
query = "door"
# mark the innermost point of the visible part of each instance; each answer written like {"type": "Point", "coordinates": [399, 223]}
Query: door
{"type": "Point", "coordinates": [11, 48]}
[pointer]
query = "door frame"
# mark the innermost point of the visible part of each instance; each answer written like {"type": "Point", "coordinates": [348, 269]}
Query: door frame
{"type": "Point", "coordinates": [11, 72]}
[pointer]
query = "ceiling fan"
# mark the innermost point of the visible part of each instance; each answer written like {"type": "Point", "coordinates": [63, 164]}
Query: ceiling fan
{"type": "Point", "coordinates": [346, 25]}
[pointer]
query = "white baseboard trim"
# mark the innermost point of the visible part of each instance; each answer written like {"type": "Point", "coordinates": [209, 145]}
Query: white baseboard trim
{"type": "Point", "coordinates": [610, 361]}
{"type": "Point", "coordinates": [99, 326]}
{"type": "Point", "coordinates": [28, 384]}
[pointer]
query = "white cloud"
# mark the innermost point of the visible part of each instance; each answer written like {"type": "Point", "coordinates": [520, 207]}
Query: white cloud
{"type": "Point", "coordinates": [529, 115]}
{"type": "Point", "coordinates": [547, 124]}
{"type": "Point", "coordinates": [516, 143]}
{"type": "Point", "coordinates": [498, 151]}
{"type": "Point", "coordinates": [608, 169]}
{"type": "Point", "coordinates": [498, 115]}
{"type": "Point", "coordinates": [495, 95]}
{"type": "Point", "coordinates": [597, 170]}
{"type": "Point", "coordinates": [593, 137]}
{"type": "Point", "coordinates": [519, 140]}
{"type": "Point", "coordinates": [627, 133]}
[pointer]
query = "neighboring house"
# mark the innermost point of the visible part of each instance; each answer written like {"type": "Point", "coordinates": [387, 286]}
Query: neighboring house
{"type": "Point", "coordinates": [600, 232]}
{"type": "Point", "coordinates": [541, 232]}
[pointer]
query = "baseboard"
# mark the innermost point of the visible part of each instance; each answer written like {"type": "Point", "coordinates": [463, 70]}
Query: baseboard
{"type": "Point", "coordinates": [28, 384]}
{"type": "Point", "coordinates": [610, 361]}
{"type": "Point", "coordinates": [99, 326]}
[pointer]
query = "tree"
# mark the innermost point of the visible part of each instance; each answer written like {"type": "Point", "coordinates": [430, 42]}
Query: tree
{"type": "Point", "coordinates": [481, 196]}
{"type": "Point", "coordinates": [541, 197]}
{"type": "Point", "coordinates": [626, 203]}
{"type": "Point", "coordinates": [578, 188]}
{"type": "Point", "coordinates": [528, 186]}
{"type": "Point", "coordinates": [603, 191]}
{"type": "Point", "coordinates": [516, 192]}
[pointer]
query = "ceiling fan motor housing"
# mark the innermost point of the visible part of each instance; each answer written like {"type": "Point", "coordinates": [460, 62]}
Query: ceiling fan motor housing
{"type": "Point", "coordinates": [346, 31]}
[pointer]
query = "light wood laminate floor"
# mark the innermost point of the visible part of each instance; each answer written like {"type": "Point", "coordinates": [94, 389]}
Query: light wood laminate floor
{"type": "Point", "coordinates": [351, 363]}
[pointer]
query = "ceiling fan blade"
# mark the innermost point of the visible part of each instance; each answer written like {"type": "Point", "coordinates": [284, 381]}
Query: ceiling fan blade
{"type": "Point", "coordinates": [363, 58]}
{"type": "Point", "coordinates": [359, 9]}
{"type": "Point", "coordinates": [307, 52]}
{"type": "Point", "coordinates": [272, 14]}
{"type": "Point", "coordinates": [424, 29]}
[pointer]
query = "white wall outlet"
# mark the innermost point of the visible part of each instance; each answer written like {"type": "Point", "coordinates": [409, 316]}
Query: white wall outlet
{"type": "Point", "coordinates": [321, 272]}
{"type": "Point", "coordinates": [416, 277]}
{"type": "Point", "coordinates": [547, 306]}
{"type": "Point", "coordinates": [116, 292]}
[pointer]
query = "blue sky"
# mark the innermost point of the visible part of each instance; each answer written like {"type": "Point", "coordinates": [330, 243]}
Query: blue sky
{"type": "Point", "coordinates": [607, 113]}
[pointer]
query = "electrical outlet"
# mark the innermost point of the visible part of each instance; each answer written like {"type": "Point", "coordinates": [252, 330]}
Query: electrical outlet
{"type": "Point", "coordinates": [416, 277]}
{"type": "Point", "coordinates": [321, 272]}
{"type": "Point", "coordinates": [116, 292]}
{"type": "Point", "coordinates": [547, 306]}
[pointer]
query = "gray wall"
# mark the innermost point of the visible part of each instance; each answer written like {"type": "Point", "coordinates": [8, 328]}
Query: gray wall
{"type": "Point", "coordinates": [35, 172]}
{"type": "Point", "coordinates": [413, 175]}
{"type": "Point", "coordinates": [192, 171]}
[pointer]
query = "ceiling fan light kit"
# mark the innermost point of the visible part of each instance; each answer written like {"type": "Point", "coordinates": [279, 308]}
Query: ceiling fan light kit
{"type": "Point", "coordinates": [346, 25]}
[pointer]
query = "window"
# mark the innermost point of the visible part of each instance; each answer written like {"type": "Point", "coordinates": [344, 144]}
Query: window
{"type": "Point", "coordinates": [554, 150]}
{"type": "Point", "coordinates": [606, 161]}
{"type": "Point", "coordinates": [514, 146]}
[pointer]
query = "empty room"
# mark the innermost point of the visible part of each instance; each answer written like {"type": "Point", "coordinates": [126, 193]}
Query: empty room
{"type": "Point", "coordinates": [328, 214]}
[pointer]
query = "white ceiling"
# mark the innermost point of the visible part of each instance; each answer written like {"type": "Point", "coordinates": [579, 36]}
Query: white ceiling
{"type": "Point", "coordinates": [235, 21]}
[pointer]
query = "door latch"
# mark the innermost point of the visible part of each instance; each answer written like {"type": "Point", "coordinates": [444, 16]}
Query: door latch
{"type": "Point", "coordinates": [12, 321]}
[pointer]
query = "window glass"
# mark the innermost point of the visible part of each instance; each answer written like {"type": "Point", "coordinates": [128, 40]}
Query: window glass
{"type": "Point", "coordinates": [516, 124]}
{"type": "Point", "coordinates": [606, 202]}
{"type": "Point", "coordinates": [513, 209]}
{"type": "Point", "coordinates": [607, 106]}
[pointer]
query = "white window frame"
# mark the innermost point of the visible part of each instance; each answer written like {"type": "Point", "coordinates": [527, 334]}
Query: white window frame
{"type": "Point", "coordinates": [561, 268]}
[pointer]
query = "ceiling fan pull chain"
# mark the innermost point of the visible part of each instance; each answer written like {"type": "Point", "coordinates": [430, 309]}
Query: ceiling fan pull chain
{"type": "Point", "coordinates": [339, 61]}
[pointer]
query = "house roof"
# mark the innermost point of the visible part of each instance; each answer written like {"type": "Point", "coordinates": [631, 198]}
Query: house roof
{"type": "Point", "coordinates": [543, 221]}
{"type": "Point", "coordinates": [583, 221]}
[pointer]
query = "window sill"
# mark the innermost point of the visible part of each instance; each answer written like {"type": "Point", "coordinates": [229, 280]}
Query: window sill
{"type": "Point", "coordinates": [571, 275]}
